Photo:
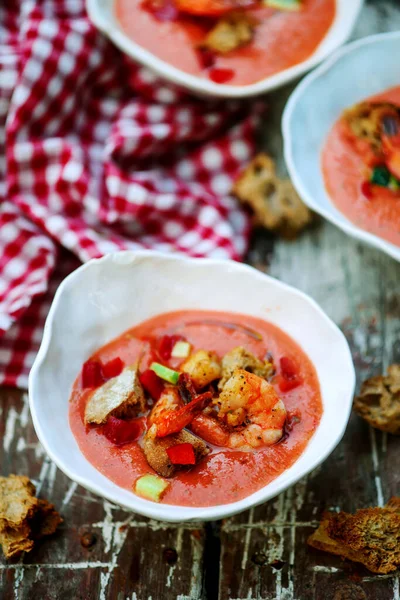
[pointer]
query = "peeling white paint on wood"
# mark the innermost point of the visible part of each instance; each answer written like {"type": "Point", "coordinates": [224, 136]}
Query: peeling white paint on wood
{"type": "Point", "coordinates": [396, 588]}
{"type": "Point", "coordinates": [247, 538]}
{"type": "Point", "coordinates": [10, 428]}
{"type": "Point", "coordinates": [375, 462]}
{"type": "Point", "coordinates": [323, 569]}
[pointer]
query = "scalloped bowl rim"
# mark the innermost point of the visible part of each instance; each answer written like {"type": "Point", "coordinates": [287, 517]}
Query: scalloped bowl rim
{"type": "Point", "coordinates": [169, 512]}
{"type": "Point", "coordinates": [346, 225]}
{"type": "Point", "coordinates": [340, 31]}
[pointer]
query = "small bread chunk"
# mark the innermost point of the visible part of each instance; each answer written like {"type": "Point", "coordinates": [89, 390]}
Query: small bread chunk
{"type": "Point", "coordinates": [230, 32]}
{"type": "Point", "coordinates": [203, 367]}
{"type": "Point", "coordinates": [379, 401]}
{"type": "Point", "coordinates": [371, 536]}
{"type": "Point", "coordinates": [17, 500]}
{"type": "Point", "coordinates": [365, 121]}
{"type": "Point", "coordinates": [274, 202]}
{"type": "Point", "coordinates": [121, 396]}
{"type": "Point", "coordinates": [23, 517]}
{"type": "Point", "coordinates": [155, 450]}
{"type": "Point", "coordinates": [240, 358]}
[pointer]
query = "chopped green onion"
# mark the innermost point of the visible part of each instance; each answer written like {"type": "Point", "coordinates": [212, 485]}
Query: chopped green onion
{"type": "Point", "coordinates": [284, 4]}
{"type": "Point", "coordinates": [181, 350]}
{"type": "Point", "coordinates": [394, 184]}
{"type": "Point", "coordinates": [380, 176]}
{"type": "Point", "coordinates": [165, 373]}
{"type": "Point", "coordinates": [151, 487]}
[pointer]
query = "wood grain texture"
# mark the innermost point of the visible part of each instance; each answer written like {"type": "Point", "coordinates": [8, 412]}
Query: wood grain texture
{"type": "Point", "coordinates": [261, 554]}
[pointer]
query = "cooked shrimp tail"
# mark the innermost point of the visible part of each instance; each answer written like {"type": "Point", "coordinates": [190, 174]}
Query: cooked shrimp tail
{"type": "Point", "coordinates": [175, 420]}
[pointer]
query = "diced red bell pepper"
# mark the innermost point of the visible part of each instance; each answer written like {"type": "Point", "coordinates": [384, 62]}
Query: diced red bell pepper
{"type": "Point", "coordinates": [289, 378]}
{"type": "Point", "coordinates": [286, 385]}
{"type": "Point", "coordinates": [288, 368]}
{"type": "Point", "coordinates": [366, 190]}
{"type": "Point", "coordinates": [221, 75]}
{"type": "Point", "coordinates": [151, 383]}
{"type": "Point", "coordinates": [163, 10]}
{"type": "Point", "coordinates": [92, 374]}
{"type": "Point", "coordinates": [119, 431]}
{"type": "Point", "coordinates": [112, 368]}
{"type": "Point", "coordinates": [166, 344]}
{"type": "Point", "coordinates": [182, 454]}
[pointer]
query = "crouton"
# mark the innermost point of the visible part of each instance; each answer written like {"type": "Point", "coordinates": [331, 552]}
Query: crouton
{"type": "Point", "coordinates": [121, 396]}
{"type": "Point", "coordinates": [379, 401]}
{"type": "Point", "coordinates": [203, 367]}
{"type": "Point", "coordinates": [371, 536]}
{"type": "Point", "coordinates": [231, 32]}
{"type": "Point", "coordinates": [155, 450]}
{"type": "Point", "coordinates": [23, 517]}
{"type": "Point", "coordinates": [274, 202]}
{"type": "Point", "coordinates": [17, 500]}
{"type": "Point", "coordinates": [240, 358]}
{"type": "Point", "coordinates": [365, 121]}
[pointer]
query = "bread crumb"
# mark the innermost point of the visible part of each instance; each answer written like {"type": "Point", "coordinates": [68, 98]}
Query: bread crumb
{"type": "Point", "coordinates": [23, 517]}
{"type": "Point", "coordinates": [371, 536]}
{"type": "Point", "coordinates": [379, 401]}
{"type": "Point", "coordinates": [231, 32]}
{"type": "Point", "coordinates": [274, 202]}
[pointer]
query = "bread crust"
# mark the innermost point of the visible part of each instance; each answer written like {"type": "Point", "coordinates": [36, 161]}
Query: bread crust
{"type": "Point", "coordinates": [371, 536]}
{"type": "Point", "coordinates": [379, 401]}
{"type": "Point", "coordinates": [274, 202]}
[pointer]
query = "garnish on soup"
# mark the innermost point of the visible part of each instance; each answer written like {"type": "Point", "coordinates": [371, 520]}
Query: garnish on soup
{"type": "Point", "coordinates": [361, 164]}
{"type": "Point", "coordinates": [203, 400]}
{"type": "Point", "coordinates": [228, 41]}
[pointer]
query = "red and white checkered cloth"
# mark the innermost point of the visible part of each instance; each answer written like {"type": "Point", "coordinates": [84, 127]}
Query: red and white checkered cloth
{"type": "Point", "coordinates": [98, 155]}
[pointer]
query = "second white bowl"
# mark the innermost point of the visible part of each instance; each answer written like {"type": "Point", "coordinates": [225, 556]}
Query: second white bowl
{"type": "Point", "coordinates": [101, 13]}
{"type": "Point", "coordinates": [357, 71]}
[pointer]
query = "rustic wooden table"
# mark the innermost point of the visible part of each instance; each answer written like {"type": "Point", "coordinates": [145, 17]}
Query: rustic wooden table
{"type": "Point", "coordinates": [260, 554]}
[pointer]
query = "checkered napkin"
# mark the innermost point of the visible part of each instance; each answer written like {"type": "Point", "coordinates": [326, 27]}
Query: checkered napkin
{"type": "Point", "coordinates": [98, 155]}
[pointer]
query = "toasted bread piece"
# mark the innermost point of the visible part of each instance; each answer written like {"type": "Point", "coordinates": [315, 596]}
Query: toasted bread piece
{"type": "Point", "coordinates": [240, 358]}
{"type": "Point", "coordinates": [121, 396]}
{"type": "Point", "coordinates": [16, 540]}
{"type": "Point", "coordinates": [23, 518]}
{"type": "Point", "coordinates": [274, 202]}
{"type": "Point", "coordinates": [365, 121]}
{"type": "Point", "coordinates": [379, 401]}
{"type": "Point", "coordinates": [17, 500]}
{"type": "Point", "coordinates": [155, 450]}
{"type": "Point", "coordinates": [232, 31]}
{"type": "Point", "coordinates": [45, 521]}
{"type": "Point", "coordinates": [371, 536]}
{"type": "Point", "coordinates": [203, 368]}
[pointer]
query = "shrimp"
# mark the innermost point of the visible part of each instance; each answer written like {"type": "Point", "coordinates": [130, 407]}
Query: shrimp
{"type": "Point", "coordinates": [170, 415]}
{"type": "Point", "coordinates": [169, 400]}
{"type": "Point", "coordinates": [251, 414]}
{"type": "Point", "coordinates": [211, 7]}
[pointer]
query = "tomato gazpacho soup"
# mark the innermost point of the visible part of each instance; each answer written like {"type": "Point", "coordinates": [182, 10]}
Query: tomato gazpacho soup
{"type": "Point", "coordinates": [238, 42]}
{"type": "Point", "coordinates": [361, 165]}
{"type": "Point", "coordinates": [196, 408]}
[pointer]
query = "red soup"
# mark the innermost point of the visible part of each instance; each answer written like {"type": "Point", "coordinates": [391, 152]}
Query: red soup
{"type": "Point", "coordinates": [346, 168]}
{"type": "Point", "coordinates": [250, 433]}
{"type": "Point", "coordinates": [281, 39]}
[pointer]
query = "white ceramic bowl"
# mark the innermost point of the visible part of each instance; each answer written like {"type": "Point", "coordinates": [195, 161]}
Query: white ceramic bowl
{"type": "Point", "coordinates": [352, 74]}
{"type": "Point", "coordinates": [105, 297]}
{"type": "Point", "coordinates": [101, 13]}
